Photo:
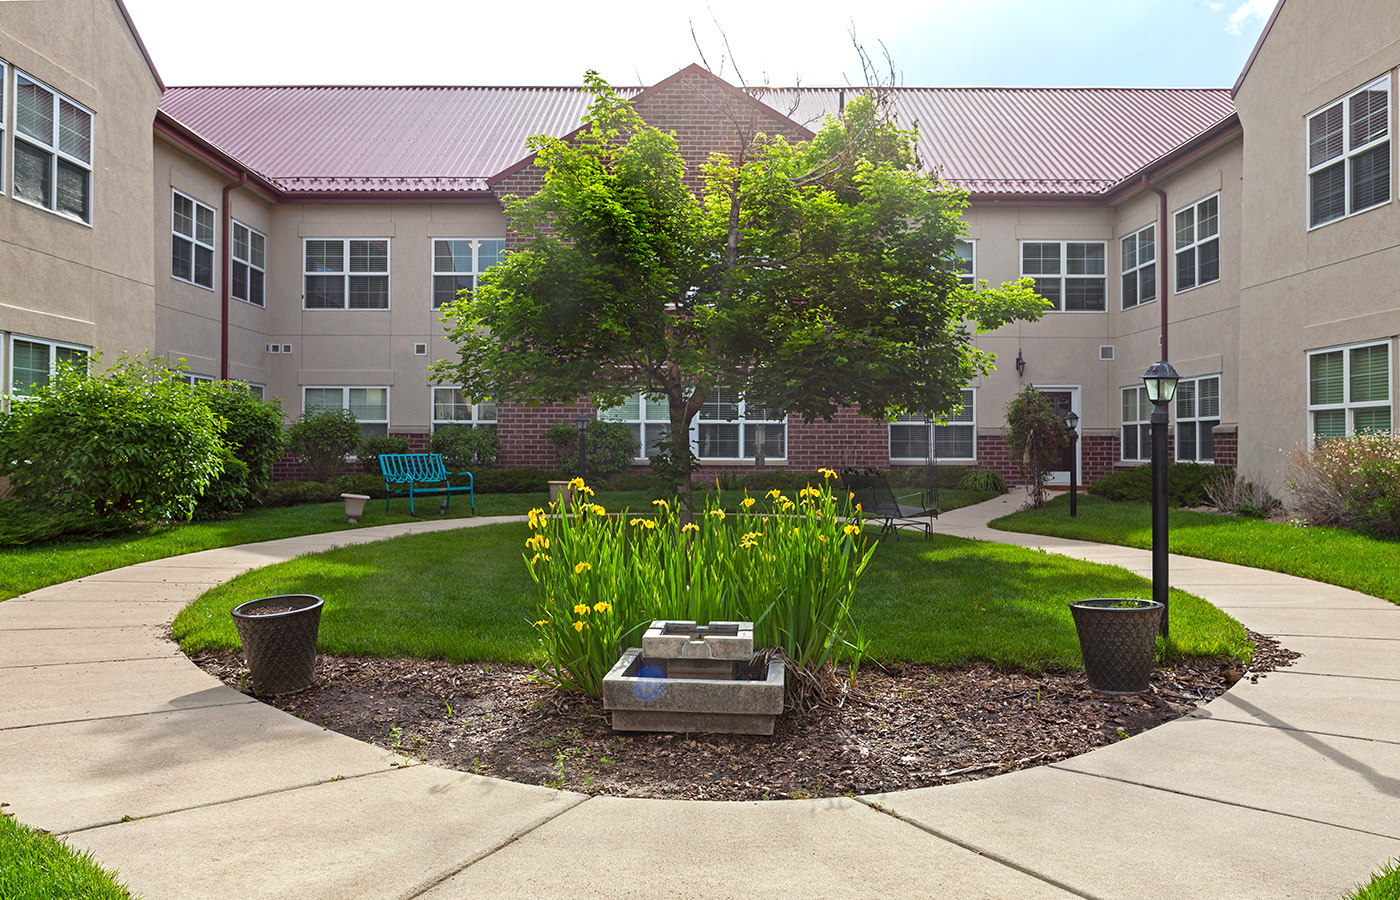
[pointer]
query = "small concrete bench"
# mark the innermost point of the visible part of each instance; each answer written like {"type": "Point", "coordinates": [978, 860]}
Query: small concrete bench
{"type": "Point", "coordinates": [421, 475]}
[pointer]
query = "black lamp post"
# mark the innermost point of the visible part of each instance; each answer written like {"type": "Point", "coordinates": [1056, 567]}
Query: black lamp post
{"type": "Point", "coordinates": [582, 421]}
{"type": "Point", "coordinates": [1160, 381]}
{"type": "Point", "coordinates": [1072, 420]}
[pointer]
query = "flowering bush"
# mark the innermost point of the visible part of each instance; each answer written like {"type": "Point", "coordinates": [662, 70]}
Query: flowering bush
{"type": "Point", "coordinates": [1353, 482]}
{"type": "Point", "coordinates": [789, 566]}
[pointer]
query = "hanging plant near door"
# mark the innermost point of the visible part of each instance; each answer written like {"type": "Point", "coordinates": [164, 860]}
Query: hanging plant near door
{"type": "Point", "coordinates": [1034, 434]}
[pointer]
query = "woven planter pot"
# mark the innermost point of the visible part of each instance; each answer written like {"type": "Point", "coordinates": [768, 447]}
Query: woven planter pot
{"type": "Point", "coordinates": [1117, 642]}
{"type": "Point", "coordinates": [280, 646]}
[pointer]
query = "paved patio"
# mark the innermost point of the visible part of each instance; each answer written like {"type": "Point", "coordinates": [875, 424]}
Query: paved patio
{"type": "Point", "coordinates": [109, 736]}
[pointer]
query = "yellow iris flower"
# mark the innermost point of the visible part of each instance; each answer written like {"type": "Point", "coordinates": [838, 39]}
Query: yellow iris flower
{"type": "Point", "coordinates": [582, 567]}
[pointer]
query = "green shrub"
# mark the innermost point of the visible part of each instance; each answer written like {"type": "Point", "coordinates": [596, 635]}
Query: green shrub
{"type": "Point", "coordinates": [1188, 484]}
{"type": "Point", "coordinates": [358, 483]}
{"type": "Point", "coordinates": [465, 448]}
{"type": "Point", "coordinates": [255, 430]}
{"type": "Point", "coordinates": [611, 447]}
{"type": "Point", "coordinates": [1353, 482]}
{"type": "Point", "coordinates": [23, 522]}
{"type": "Point", "coordinates": [131, 442]}
{"type": "Point", "coordinates": [380, 443]}
{"type": "Point", "coordinates": [983, 480]}
{"type": "Point", "coordinates": [1034, 435]}
{"type": "Point", "coordinates": [295, 493]}
{"type": "Point", "coordinates": [322, 440]}
{"type": "Point", "coordinates": [518, 480]}
{"type": "Point", "coordinates": [229, 492]}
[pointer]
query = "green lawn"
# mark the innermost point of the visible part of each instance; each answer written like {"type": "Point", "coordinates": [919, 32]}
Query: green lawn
{"type": "Point", "coordinates": [36, 866]}
{"type": "Point", "coordinates": [30, 567]}
{"type": "Point", "coordinates": [466, 595]}
{"type": "Point", "coordinates": [1384, 885]}
{"type": "Point", "coordinates": [1330, 555]}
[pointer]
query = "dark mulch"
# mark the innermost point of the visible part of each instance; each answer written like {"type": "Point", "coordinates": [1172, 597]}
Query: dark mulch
{"type": "Point", "coordinates": [906, 727]}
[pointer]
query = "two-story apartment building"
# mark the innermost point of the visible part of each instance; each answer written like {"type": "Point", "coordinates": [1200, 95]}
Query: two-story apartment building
{"type": "Point", "coordinates": [301, 239]}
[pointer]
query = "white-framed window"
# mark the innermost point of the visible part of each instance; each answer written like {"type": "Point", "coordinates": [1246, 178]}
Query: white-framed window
{"type": "Point", "coordinates": [192, 379]}
{"type": "Point", "coordinates": [452, 407]}
{"type": "Point", "coordinates": [731, 428]}
{"type": "Point", "coordinates": [1349, 154]}
{"type": "Point", "coordinates": [649, 417]}
{"type": "Point", "coordinates": [1198, 244]}
{"type": "Point", "coordinates": [966, 252]}
{"type": "Point", "coordinates": [249, 269]}
{"type": "Point", "coordinates": [956, 438]}
{"type": "Point", "coordinates": [1139, 267]}
{"type": "Point", "coordinates": [52, 150]}
{"type": "Point", "coordinates": [1197, 414]}
{"type": "Point", "coordinates": [458, 261]}
{"type": "Point", "coordinates": [191, 240]}
{"type": "Point", "coordinates": [34, 361]}
{"type": "Point", "coordinates": [1349, 390]}
{"type": "Point", "coordinates": [257, 390]}
{"type": "Point", "coordinates": [1137, 426]}
{"type": "Point", "coordinates": [346, 273]}
{"type": "Point", "coordinates": [370, 405]}
{"type": "Point", "coordinates": [1072, 275]}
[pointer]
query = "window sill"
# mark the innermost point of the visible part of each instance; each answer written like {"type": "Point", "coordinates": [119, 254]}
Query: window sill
{"type": "Point", "coordinates": [1340, 218]}
{"type": "Point", "coordinates": [744, 463]}
{"type": "Point", "coordinates": [1179, 291]}
{"type": "Point", "coordinates": [53, 212]}
{"type": "Point", "coordinates": [1138, 305]}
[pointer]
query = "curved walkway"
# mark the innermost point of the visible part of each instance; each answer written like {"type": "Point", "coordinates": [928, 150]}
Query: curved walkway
{"type": "Point", "coordinates": [108, 735]}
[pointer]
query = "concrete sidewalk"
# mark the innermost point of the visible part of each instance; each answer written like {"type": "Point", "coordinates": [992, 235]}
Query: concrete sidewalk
{"type": "Point", "coordinates": [108, 735]}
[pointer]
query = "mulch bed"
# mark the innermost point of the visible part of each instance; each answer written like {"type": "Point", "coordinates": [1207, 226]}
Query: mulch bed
{"type": "Point", "coordinates": [904, 727]}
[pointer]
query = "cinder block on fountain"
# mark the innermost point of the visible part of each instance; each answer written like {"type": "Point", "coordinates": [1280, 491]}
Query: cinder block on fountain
{"type": "Point", "coordinates": [686, 677]}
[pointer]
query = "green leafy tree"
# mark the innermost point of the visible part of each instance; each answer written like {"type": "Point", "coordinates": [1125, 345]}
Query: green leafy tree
{"type": "Point", "coordinates": [255, 429]}
{"type": "Point", "coordinates": [131, 442]}
{"type": "Point", "coordinates": [806, 275]}
{"type": "Point", "coordinates": [1034, 434]}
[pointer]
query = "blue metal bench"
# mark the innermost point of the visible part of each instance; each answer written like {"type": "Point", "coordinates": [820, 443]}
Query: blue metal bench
{"type": "Point", "coordinates": [421, 475]}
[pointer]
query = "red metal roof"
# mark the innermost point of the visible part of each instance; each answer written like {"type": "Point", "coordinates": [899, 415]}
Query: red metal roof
{"type": "Point", "coordinates": [1056, 142]}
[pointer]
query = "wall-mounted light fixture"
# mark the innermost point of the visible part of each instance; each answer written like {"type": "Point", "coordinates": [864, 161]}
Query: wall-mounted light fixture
{"type": "Point", "coordinates": [1020, 364]}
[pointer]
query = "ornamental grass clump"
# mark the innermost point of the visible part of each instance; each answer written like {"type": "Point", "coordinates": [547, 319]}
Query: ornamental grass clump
{"type": "Point", "coordinates": [1352, 481]}
{"type": "Point", "coordinates": [787, 565]}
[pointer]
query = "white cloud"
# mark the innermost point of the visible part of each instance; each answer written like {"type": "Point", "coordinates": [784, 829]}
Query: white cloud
{"type": "Point", "coordinates": [1215, 7]}
{"type": "Point", "coordinates": [1246, 11]}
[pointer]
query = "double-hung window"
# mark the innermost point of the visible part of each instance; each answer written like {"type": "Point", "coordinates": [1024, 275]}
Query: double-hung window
{"type": "Point", "coordinates": [1198, 244]}
{"type": "Point", "coordinates": [649, 417]}
{"type": "Point", "coordinates": [1140, 267]}
{"type": "Point", "coordinates": [34, 362]}
{"type": "Point", "coordinates": [1349, 390]}
{"type": "Point", "coordinates": [955, 438]}
{"type": "Point", "coordinates": [731, 428]}
{"type": "Point", "coordinates": [1137, 428]}
{"type": "Point", "coordinates": [52, 150]}
{"type": "Point", "coordinates": [249, 268]}
{"type": "Point", "coordinates": [1349, 154]}
{"type": "Point", "coordinates": [966, 252]}
{"type": "Point", "coordinates": [1197, 414]}
{"type": "Point", "coordinates": [369, 405]}
{"type": "Point", "coordinates": [458, 261]}
{"type": "Point", "coordinates": [452, 407]}
{"type": "Point", "coordinates": [191, 240]}
{"type": "Point", "coordinates": [1072, 275]}
{"type": "Point", "coordinates": [4, 108]}
{"type": "Point", "coordinates": [346, 273]}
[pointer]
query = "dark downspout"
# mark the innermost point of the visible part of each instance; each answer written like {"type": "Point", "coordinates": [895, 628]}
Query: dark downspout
{"type": "Point", "coordinates": [1161, 256]}
{"type": "Point", "coordinates": [224, 277]}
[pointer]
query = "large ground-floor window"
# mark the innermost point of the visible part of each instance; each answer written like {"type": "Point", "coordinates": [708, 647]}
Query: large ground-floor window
{"type": "Point", "coordinates": [1197, 414]}
{"type": "Point", "coordinates": [1137, 427]}
{"type": "Point", "coordinates": [954, 439]}
{"type": "Point", "coordinates": [370, 405]}
{"type": "Point", "coordinates": [34, 361]}
{"type": "Point", "coordinates": [1349, 390]}
{"type": "Point", "coordinates": [452, 407]}
{"type": "Point", "coordinates": [649, 417]}
{"type": "Point", "coordinates": [732, 428]}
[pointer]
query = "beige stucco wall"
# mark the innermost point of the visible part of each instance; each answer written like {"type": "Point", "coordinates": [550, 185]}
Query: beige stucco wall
{"type": "Point", "coordinates": [60, 279]}
{"type": "Point", "coordinates": [366, 347]}
{"type": "Point", "coordinates": [1308, 289]}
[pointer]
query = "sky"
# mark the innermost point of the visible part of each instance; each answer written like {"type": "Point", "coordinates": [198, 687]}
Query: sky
{"type": "Point", "coordinates": [1062, 43]}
